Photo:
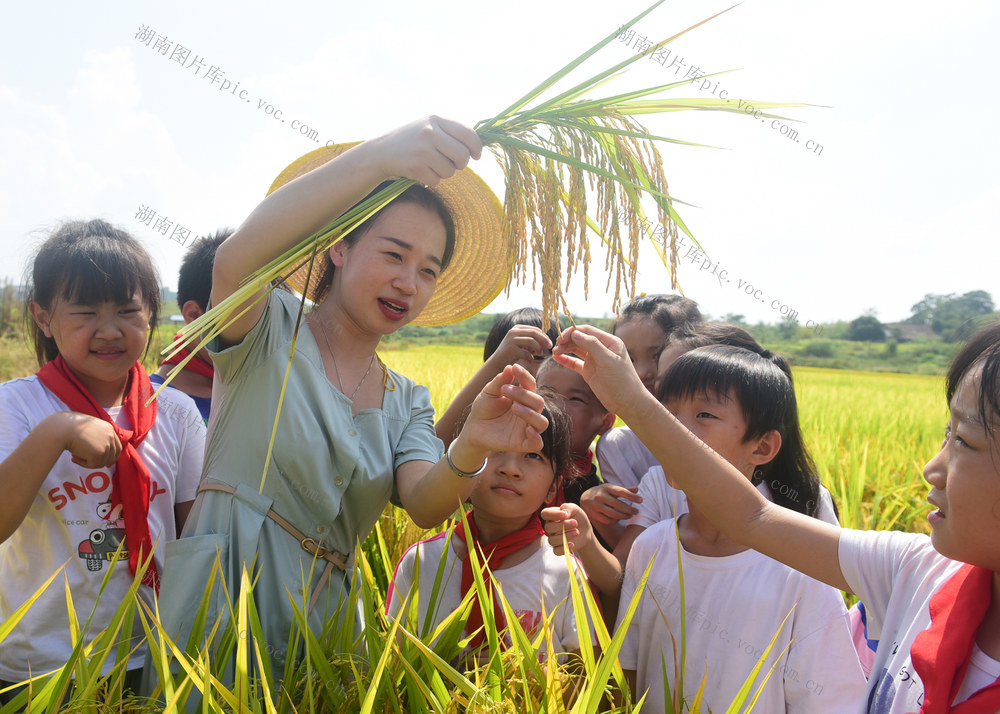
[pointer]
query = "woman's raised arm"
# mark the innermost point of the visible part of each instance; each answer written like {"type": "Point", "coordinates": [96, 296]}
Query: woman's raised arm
{"type": "Point", "coordinates": [426, 151]}
{"type": "Point", "coordinates": [506, 416]}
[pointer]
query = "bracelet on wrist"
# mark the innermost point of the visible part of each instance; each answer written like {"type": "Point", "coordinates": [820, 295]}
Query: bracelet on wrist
{"type": "Point", "coordinates": [457, 471]}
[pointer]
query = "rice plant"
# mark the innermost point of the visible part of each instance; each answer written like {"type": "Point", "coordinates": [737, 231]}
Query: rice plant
{"type": "Point", "coordinates": [385, 666]}
{"type": "Point", "coordinates": [399, 664]}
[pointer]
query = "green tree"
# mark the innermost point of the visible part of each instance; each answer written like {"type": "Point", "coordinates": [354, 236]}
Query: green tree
{"type": "Point", "coordinates": [952, 316]}
{"type": "Point", "coordinates": [866, 328]}
{"type": "Point", "coordinates": [788, 328]}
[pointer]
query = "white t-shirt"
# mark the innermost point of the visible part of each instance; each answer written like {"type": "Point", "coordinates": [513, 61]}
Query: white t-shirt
{"type": "Point", "coordinates": [661, 501]}
{"type": "Point", "coordinates": [895, 575]}
{"type": "Point", "coordinates": [623, 458]}
{"type": "Point", "coordinates": [540, 583]}
{"type": "Point", "coordinates": [734, 605]}
{"type": "Point", "coordinates": [65, 524]}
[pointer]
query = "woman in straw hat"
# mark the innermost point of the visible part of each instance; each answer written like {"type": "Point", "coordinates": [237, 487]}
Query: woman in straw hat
{"type": "Point", "coordinates": [352, 434]}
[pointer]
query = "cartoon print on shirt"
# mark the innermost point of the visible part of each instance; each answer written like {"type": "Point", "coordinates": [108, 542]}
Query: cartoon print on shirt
{"type": "Point", "coordinates": [104, 542]}
{"type": "Point", "coordinates": [111, 514]}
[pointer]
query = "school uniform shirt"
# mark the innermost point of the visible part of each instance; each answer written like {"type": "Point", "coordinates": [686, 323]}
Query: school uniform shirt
{"type": "Point", "coordinates": [895, 575]}
{"type": "Point", "coordinates": [734, 605]}
{"type": "Point", "coordinates": [72, 521]}
{"type": "Point", "coordinates": [623, 458]}
{"type": "Point", "coordinates": [540, 583]}
{"type": "Point", "coordinates": [661, 501]}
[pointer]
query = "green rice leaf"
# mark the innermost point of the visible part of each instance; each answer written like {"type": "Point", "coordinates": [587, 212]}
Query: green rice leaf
{"type": "Point", "coordinates": [744, 691]}
{"type": "Point", "coordinates": [593, 81]}
{"type": "Point", "coordinates": [547, 83]}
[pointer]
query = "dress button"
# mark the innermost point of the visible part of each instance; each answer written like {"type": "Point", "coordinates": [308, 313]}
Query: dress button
{"type": "Point", "coordinates": [352, 432]}
{"type": "Point", "coordinates": [339, 481]}
{"type": "Point", "coordinates": [321, 529]}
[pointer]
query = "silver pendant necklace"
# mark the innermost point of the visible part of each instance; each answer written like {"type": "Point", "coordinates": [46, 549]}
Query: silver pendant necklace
{"type": "Point", "coordinates": [336, 369]}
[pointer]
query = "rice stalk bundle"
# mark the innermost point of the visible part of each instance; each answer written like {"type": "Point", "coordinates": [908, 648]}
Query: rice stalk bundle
{"type": "Point", "coordinates": [553, 153]}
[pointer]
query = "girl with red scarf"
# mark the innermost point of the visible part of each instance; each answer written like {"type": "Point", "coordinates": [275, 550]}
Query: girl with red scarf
{"type": "Point", "coordinates": [505, 528]}
{"type": "Point", "coordinates": [933, 602]}
{"type": "Point", "coordinates": [93, 477]}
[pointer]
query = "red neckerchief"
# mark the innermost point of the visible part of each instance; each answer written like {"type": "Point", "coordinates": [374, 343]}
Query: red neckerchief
{"type": "Point", "coordinates": [941, 653]}
{"type": "Point", "coordinates": [495, 553]}
{"type": "Point", "coordinates": [581, 467]}
{"type": "Point", "coordinates": [130, 483]}
{"type": "Point", "coordinates": [195, 364]}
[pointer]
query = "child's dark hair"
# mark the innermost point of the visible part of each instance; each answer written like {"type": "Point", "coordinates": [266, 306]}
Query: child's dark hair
{"type": "Point", "coordinates": [194, 282]}
{"type": "Point", "coordinates": [417, 194]}
{"type": "Point", "coordinates": [983, 348]}
{"type": "Point", "coordinates": [89, 262]}
{"type": "Point", "coordinates": [702, 334]}
{"type": "Point", "coordinates": [671, 312]}
{"type": "Point", "coordinates": [524, 316]}
{"type": "Point", "coordinates": [761, 384]}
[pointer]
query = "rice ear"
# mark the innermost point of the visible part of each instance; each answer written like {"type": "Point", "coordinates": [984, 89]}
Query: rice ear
{"type": "Point", "coordinates": [570, 163]}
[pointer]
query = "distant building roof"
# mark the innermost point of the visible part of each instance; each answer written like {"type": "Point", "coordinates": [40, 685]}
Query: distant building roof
{"type": "Point", "coordinates": [907, 332]}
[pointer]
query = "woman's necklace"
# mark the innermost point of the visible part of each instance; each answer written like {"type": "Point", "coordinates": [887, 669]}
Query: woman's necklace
{"type": "Point", "coordinates": [336, 369]}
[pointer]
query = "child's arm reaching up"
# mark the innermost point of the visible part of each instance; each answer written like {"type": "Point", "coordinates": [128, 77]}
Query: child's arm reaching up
{"type": "Point", "coordinates": [519, 346]}
{"type": "Point", "coordinates": [719, 490]}
{"type": "Point", "coordinates": [506, 416]}
{"type": "Point", "coordinates": [603, 569]}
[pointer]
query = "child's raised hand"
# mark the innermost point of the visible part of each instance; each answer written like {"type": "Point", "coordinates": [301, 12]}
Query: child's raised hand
{"type": "Point", "coordinates": [568, 520]}
{"type": "Point", "coordinates": [603, 503]}
{"type": "Point", "coordinates": [603, 361]}
{"type": "Point", "coordinates": [92, 442]}
{"type": "Point", "coordinates": [507, 414]}
{"type": "Point", "coordinates": [427, 150]}
{"type": "Point", "coordinates": [524, 345]}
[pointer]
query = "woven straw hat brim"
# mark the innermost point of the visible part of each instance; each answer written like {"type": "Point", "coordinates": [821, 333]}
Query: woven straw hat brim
{"type": "Point", "coordinates": [482, 260]}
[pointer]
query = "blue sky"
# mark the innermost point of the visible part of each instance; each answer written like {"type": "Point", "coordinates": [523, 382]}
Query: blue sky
{"type": "Point", "coordinates": [900, 200]}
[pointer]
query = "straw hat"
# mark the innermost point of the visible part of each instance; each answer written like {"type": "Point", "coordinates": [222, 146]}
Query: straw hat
{"type": "Point", "coordinates": [482, 259]}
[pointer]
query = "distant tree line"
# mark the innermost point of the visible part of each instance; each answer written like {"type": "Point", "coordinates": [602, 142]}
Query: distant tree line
{"type": "Point", "coordinates": [952, 316]}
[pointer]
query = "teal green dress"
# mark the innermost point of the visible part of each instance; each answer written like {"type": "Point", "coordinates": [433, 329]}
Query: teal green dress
{"type": "Point", "coordinates": [331, 474]}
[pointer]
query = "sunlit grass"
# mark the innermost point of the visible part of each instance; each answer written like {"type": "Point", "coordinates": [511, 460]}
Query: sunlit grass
{"type": "Point", "coordinates": [871, 435]}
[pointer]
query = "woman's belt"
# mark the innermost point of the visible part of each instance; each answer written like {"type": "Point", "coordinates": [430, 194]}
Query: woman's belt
{"type": "Point", "coordinates": [309, 545]}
